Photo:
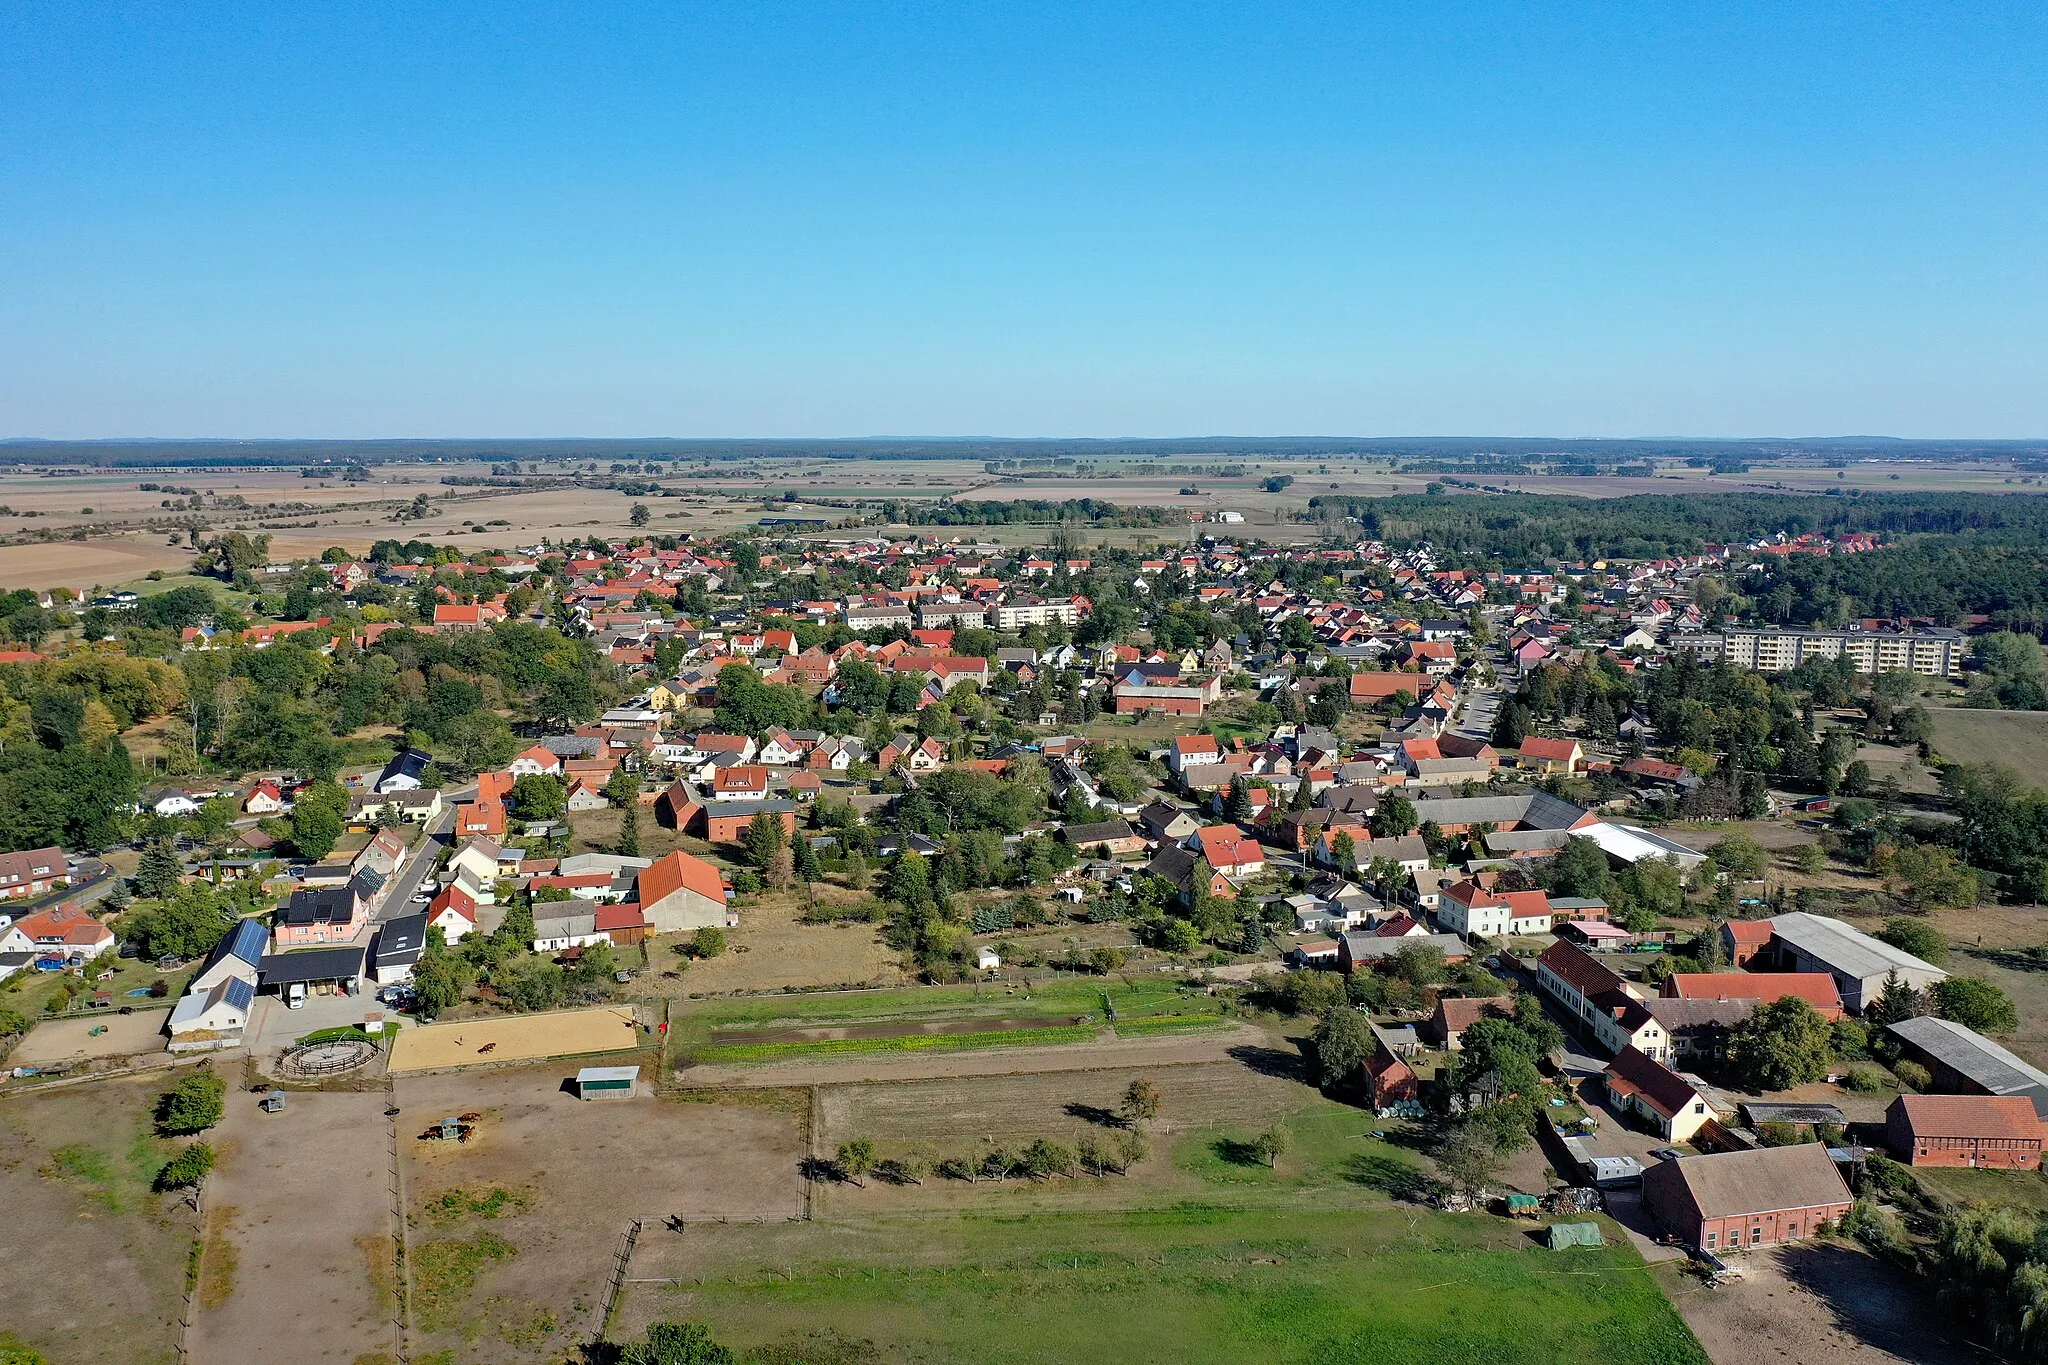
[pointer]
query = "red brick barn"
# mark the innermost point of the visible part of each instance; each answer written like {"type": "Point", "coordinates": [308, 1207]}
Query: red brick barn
{"type": "Point", "coordinates": [1731, 1201]}
{"type": "Point", "coordinates": [1992, 1132]}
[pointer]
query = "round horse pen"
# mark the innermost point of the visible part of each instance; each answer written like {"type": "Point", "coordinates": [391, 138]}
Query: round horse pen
{"type": "Point", "coordinates": [331, 1058]}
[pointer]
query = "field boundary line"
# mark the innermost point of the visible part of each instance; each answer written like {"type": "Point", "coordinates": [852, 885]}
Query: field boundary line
{"type": "Point", "coordinates": [190, 1310]}
{"type": "Point", "coordinates": [401, 1243]}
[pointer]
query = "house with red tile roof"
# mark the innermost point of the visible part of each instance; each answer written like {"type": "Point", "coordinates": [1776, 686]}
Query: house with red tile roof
{"type": "Point", "coordinates": [681, 892]}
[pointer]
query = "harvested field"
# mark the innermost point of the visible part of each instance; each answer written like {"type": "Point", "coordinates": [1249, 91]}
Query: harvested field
{"type": "Point", "coordinates": [106, 1256]}
{"type": "Point", "coordinates": [1902, 766]}
{"type": "Point", "coordinates": [2016, 739]}
{"type": "Point", "coordinates": [295, 1196]}
{"type": "Point", "coordinates": [84, 564]}
{"type": "Point", "coordinates": [517, 1038]}
{"type": "Point", "coordinates": [528, 1213]}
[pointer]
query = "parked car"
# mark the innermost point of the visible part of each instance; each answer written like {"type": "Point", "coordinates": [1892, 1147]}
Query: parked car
{"type": "Point", "coordinates": [295, 995]}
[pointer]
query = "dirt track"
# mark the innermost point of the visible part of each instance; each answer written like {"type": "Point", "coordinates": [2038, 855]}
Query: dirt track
{"type": "Point", "coordinates": [1212, 1046]}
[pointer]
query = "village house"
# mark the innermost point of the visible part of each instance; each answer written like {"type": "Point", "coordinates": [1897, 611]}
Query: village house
{"type": "Point", "coordinates": [33, 871]}
{"type": "Point", "coordinates": [1656, 1097]}
{"type": "Point", "coordinates": [1815, 988]}
{"type": "Point", "coordinates": [1604, 1005]}
{"type": "Point", "coordinates": [681, 892]}
{"type": "Point", "coordinates": [327, 915]}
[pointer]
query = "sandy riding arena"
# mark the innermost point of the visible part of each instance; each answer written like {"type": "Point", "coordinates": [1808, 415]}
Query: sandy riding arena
{"type": "Point", "coordinates": [517, 1038]}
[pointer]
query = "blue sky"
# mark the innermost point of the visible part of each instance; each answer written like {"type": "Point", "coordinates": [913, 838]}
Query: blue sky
{"type": "Point", "coordinates": [1013, 219]}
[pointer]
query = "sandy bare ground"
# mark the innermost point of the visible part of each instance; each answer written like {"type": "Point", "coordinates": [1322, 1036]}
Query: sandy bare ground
{"type": "Point", "coordinates": [63, 1039]}
{"type": "Point", "coordinates": [104, 1257]}
{"type": "Point", "coordinates": [1820, 1303]}
{"type": "Point", "coordinates": [516, 1038]}
{"type": "Point", "coordinates": [296, 1196]}
{"type": "Point", "coordinates": [1212, 1046]}
{"type": "Point", "coordinates": [583, 1171]}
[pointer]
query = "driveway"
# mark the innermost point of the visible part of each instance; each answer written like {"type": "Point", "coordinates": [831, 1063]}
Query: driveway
{"type": "Point", "coordinates": [273, 1028]}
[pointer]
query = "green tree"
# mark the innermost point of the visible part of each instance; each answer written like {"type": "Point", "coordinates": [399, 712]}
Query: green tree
{"type": "Point", "coordinates": [1343, 1041]}
{"type": "Point", "coordinates": [629, 832]}
{"type": "Point", "coordinates": [193, 1105]}
{"type": "Point", "coordinates": [856, 1159]}
{"type": "Point", "coordinates": [187, 1168]}
{"type": "Point", "coordinates": [764, 838]}
{"type": "Point", "coordinates": [1470, 1154]}
{"type": "Point", "coordinates": [710, 941]}
{"type": "Point", "coordinates": [1917, 937]}
{"type": "Point", "coordinates": [1740, 856]}
{"type": "Point", "coordinates": [1394, 817]}
{"type": "Point", "coordinates": [539, 796]}
{"type": "Point", "coordinates": [1271, 1143]}
{"type": "Point", "coordinates": [1140, 1104]}
{"type": "Point", "coordinates": [1976, 1004]}
{"type": "Point", "coordinates": [677, 1343]}
{"type": "Point", "coordinates": [160, 870]}
{"type": "Point", "coordinates": [1419, 964]}
{"type": "Point", "coordinates": [1810, 859]}
{"type": "Point", "coordinates": [1783, 1044]}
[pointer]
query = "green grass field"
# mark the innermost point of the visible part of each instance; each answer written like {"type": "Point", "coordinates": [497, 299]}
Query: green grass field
{"type": "Point", "coordinates": [1141, 1008]}
{"type": "Point", "coordinates": [1190, 1284]}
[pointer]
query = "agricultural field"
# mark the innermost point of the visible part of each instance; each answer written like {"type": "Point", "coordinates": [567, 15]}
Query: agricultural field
{"type": "Point", "coordinates": [773, 949]}
{"type": "Point", "coordinates": [1193, 1283]}
{"type": "Point", "coordinates": [931, 1019]}
{"type": "Point", "coordinates": [76, 1165]}
{"type": "Point", "coordinates": [2016, 739]}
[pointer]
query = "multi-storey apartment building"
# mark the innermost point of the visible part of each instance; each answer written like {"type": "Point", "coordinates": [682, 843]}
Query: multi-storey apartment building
{"type": "Point", "coordinates": [1934, 652]}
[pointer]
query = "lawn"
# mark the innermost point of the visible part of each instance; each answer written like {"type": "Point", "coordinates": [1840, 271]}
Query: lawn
{"type": "Point", "coordinates": [2026, 1191]}
{"type": "Point", "coordinates": [1190, 1284]}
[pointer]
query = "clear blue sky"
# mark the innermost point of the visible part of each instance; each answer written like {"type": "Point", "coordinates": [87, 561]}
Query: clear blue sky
{"type": "Point", "coordinates": [806, 220]}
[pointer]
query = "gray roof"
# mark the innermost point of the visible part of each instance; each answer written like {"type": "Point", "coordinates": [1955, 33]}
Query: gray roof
{"type": "Point", "coordinates": [1367, 947]}
{"type": "Point", "coordinates": [315, 964]}
{"type": "Point", "coordinates": [1974, 1056]}
{"type": "Point", "coordinates": [1755, 1113]}
{"type": "Point", "coordinates": [1100, 833]}
{"type": "Point", "coordinates": [1677, 1015]}
{"type": "Point", "coordinates": [402, 939]}
{"type": "Point", "coordinates": [1847, 950]}
{"type": "Point", "coordinates": [1538, 810]}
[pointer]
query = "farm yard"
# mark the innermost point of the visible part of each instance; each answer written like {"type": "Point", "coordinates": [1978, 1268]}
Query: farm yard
{"type": "Point", "coordinates": [299, 1232]}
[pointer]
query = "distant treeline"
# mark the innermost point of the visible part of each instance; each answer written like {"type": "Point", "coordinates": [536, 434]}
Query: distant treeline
{"type": "Point", "coordinates": [1029, 511]}
{"type": "Point", "coordinates": [1456, 449]}
{"type": "Point", "coordinates": [1522, 529]}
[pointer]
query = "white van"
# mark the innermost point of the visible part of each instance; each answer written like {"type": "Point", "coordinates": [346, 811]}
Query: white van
{"type": "Point", "coordinates": [295, 995]}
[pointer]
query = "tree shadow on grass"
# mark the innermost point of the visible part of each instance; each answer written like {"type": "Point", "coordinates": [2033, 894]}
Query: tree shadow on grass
{"type": "Point", "coordinates": [1391, 1177]}
{"type": "Point", "coordinates": [1095, 1114]}
{"type": "Point", "coordinates": [1237, 1152]}
{"type": "Point", "coordinates": [1271, 1061]}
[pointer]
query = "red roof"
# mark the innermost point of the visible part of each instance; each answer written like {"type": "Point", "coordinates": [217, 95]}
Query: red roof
{"type": "Point", "coordinates": [1815, 988]}
{"type": "Point", "coordinates": [1552, 750]}
{"type": "Point", "coordinates": [679, 872]}
{"type": "Point", "coordinates": [1666, 1090]}
{"type": "Point", "coordinates": [1971, 1116]}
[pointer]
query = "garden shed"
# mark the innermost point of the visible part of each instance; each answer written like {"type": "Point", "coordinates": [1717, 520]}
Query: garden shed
{"type": "Point", "coordinates": [607, 1082]}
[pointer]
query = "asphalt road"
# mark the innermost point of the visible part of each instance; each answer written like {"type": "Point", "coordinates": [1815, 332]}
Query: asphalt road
{"type": "Point", "coordinates": [426, 852]}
